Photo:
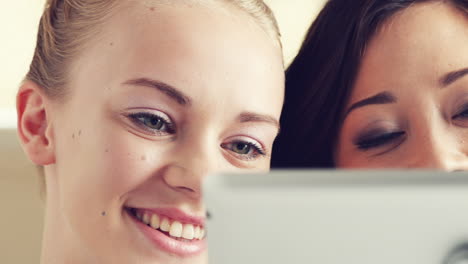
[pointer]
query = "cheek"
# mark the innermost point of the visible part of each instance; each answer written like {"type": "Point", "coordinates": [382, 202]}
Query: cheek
{"type": "Point", "coordinates": [103, 168]}
{"type": "Point", "coordinates": [111, 165]}
{"type": "Point", "coordinates": [346, 158]}
{"type": "Point", "coordinates": [463, 140]}
{"type": "Point", "coordinates": [97, 169]}
{"type": "Point", "coordinates": [264, 165]}
{"type": "Point", "coordinates": [343, 153]}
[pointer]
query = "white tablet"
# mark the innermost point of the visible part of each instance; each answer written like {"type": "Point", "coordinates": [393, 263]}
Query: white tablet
{"type": "Point", "coordinates": [338, 217]}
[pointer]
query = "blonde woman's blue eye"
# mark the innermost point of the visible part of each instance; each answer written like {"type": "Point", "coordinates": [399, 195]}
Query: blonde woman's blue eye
{"type": "Point", "coordinates": [244, 150]}
{"type": "Point", "coordinates": [152, 122]}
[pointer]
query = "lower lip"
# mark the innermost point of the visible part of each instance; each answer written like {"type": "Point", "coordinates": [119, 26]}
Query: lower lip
{"type": "Point", "coordinates": [168, 244]}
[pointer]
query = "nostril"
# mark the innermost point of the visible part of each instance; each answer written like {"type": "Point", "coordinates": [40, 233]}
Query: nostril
{"type": "Point", "coordinates": [182, 180]}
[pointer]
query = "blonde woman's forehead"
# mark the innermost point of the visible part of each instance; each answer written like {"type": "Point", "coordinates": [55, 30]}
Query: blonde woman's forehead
{"type": "Point", "coordinates": [202, 41]}
{"type": "Point", "coordinates": [255, 10]}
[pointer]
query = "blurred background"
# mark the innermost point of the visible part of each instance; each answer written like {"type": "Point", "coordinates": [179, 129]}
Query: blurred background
{"type": "Point", "coordinates": [22, 206]}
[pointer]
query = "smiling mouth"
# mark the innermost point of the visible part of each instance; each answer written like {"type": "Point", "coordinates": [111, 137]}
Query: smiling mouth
{"type": "Point", "coordinates": [184, 232]}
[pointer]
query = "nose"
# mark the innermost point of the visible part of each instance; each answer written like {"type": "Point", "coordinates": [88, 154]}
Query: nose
{"type": "Point", "coordinates": [441, 152]}
{"type": "Point", "coordinates": [189, 166]}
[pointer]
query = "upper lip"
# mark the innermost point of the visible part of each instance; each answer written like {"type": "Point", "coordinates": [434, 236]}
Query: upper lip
{"type": "Point", "coordinates": [176, 215]}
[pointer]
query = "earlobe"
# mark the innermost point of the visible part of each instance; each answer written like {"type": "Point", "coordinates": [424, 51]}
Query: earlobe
{"type": "Point", "coordinates": [34, 127]}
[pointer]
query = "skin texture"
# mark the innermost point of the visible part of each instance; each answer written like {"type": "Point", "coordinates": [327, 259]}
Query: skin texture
{"type": "Point", "coordinates": [98, 161]}
{"type": "Point", "coordinates": [409, 57]}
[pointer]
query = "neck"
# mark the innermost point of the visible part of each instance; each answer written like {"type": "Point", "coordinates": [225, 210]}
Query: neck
{"type": "Point", "coordinates": [59, 243]}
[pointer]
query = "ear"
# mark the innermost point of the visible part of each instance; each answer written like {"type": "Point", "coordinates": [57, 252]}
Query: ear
{"type": "Point", "coordinates": [34, 128]}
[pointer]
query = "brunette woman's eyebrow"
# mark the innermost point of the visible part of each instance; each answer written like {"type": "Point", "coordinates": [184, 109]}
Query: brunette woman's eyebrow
{"type": "Point", "coordinates": [452, 77]}
{"type": "Point", "coordinates": [380, 98]}
{"type": "Point", "coordinates": [165, 88]}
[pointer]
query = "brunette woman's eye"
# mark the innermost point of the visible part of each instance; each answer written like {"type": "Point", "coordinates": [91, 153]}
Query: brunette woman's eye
{"type": "Point", "coordinates": [463, 114]}
{"type": "Point", "coordinates": [461, 118]}
{"type": "Point", "coordinates": [152, 123]}
{"type": "Point", "coordinates": [371, 141]}
{"type": "Point", "coordinates": [244, 150]}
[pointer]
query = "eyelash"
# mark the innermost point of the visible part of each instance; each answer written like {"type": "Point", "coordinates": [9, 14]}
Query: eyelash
{"type": "Point", "coordinates": [462, 114]}
{"type": "Point", "coordinates": [374, 141]}
{"type": "Point", "coordinates": [141, 118]}
{"type": "Point", "coordinates": [258, 150]}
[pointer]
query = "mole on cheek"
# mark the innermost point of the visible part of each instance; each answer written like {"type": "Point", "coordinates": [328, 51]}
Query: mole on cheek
{"type": "Point", "coordinates": [103, 213]}
{"type": "Point", "coordinates": [107, 150]}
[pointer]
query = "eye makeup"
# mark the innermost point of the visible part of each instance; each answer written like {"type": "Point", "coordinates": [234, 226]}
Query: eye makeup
{"type": "Point", "coordinates": [151, 122]}
{"type": "Point", "coordinates": [380, 137]}
{"type": "Point", "coordinates": [462, 110]}
{"type": "Point", "coordinates": [458, 111]}
{"type": "Point", "coordinates": [244, 150]}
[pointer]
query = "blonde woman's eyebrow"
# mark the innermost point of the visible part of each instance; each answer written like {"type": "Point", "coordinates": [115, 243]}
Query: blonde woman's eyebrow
{"type": "Point", "coordinates": [165, 88]}
{"type": "Point", "coordinates": [246, 117]}
{"type": "Point", "coordinates": [452, 77]}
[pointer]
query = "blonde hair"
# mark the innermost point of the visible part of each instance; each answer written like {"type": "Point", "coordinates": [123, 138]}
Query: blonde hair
{"type": "Point", "coordinates": [67, 26]}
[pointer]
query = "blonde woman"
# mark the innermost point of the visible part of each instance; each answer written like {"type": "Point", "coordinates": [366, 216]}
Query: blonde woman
{"type": "Point", "coordinates": [129, 104]}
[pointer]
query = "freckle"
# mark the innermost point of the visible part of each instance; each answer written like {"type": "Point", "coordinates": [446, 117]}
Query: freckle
{"type": "Point", "coordinates": [103, 213]}
{"type": "Point", "coordinates": [79, 133]}
{"type": "Point", "coordinates": [107, 150]}
{"type": "Point", "coordinates": [112, 43]}
{"type": "Point", "coordinates": [152, 8]}
{"type": "Point", "coordinates": [73, 135]}
{"type": "Point", "coordinates": [143, 157]}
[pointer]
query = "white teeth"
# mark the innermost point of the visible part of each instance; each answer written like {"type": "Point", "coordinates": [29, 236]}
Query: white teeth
{"type": "Point", "coordinates": [196, 233]}
{"type": "Point", "coordinates": [176, 229]}
{"type": "Point", "coordinates": [189, 231]}
{"type": "Point", "coordinates": [146, 218]}
{"type": "Point", "coordinates": [202, 233]}
{"type": "Point", "coordinates": [155, 221]}
{"type": "Point", "coordinates": [165, 225]}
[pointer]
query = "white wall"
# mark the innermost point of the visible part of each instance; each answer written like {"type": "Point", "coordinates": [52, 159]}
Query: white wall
{"type": "Point", "coordinates": [21, 221]}
{"type": "Point", "coordinates": [18, 29]}
{"type": "Point", "coordinates": [294, 18]}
